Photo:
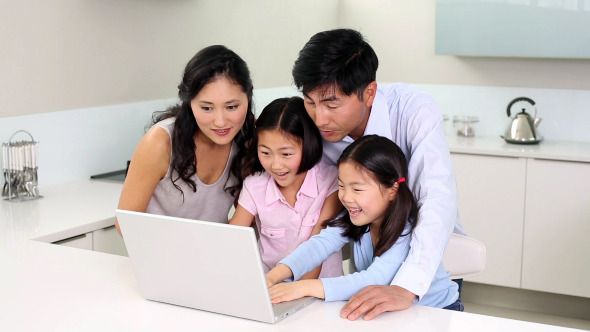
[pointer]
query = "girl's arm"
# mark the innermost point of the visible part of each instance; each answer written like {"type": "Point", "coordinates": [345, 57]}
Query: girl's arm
{"type": "Point", "coordinates": [310, 253]}
{"type": "Point", "coordinates": [149, 164]}
{"type": "Point", "coordinates": [380, 270]}
{"type": "Point", "coordinates": [330, 209]}
{"type": "Point", "coordinates": [288, 291]}
{"type": "Point", "coordinates": [278, 274]}
{"type": "Point", "coordinates": [242, 217]}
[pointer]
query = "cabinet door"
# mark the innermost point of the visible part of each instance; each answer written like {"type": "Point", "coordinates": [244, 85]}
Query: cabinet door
{"type": "Point", "coordinates": [491, 206]}
{"type": "Point", "coordinates": [557, 227]}
{"type": "Point", "coordinates": [110, 241]}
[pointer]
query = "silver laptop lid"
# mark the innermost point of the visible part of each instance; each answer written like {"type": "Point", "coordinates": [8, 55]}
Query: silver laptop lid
{"type": "Point", "coordinates": [197, 264]}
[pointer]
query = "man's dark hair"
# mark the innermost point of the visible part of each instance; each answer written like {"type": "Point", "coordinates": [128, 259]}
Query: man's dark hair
{"type": "Point", "coordinates": [339, 59]}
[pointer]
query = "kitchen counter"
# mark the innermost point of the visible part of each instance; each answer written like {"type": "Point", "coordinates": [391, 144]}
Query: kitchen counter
{"type": "Point", "coordinates": [48, 287]}
{"type": "Point", "coordinates": [496, 146]}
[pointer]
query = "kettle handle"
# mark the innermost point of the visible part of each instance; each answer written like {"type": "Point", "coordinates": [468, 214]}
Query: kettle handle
{"type": "Point", "coordinates": [520, 99]}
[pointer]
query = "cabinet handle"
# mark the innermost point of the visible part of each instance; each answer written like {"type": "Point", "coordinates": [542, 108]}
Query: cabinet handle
{"type": "Point", "coordinates": [70, 239]}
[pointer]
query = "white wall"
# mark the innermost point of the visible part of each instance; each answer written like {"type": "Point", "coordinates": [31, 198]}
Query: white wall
{"type": "Point", "coordinates": [84, 76]}
{"type": "Point", "coordinates": [69, 54]}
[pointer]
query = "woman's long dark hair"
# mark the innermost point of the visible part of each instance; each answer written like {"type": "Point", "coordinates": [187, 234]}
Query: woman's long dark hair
{"type": "Point", "coordinates": [288, 115]}
{"type": "Point", "coordinates": [208, 64]}
{"type": "Point", "coordinates": [385, 162]}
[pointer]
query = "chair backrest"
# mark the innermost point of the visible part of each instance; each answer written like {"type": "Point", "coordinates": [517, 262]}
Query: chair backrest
{"type": "Point", "coordinates": [464, 256]}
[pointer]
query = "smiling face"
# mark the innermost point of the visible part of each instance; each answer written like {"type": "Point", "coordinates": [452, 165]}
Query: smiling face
{"type": "Point", "coordinates": [220, 110]}
{"type": "Point", "coordinates": [365, 199]}
{"type": "Point", "coordinates": [280, 156]}
{"type": "Point", "coordinates": [337, 115]}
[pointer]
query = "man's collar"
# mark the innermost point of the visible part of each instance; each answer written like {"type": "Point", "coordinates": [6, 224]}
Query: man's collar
{"type": "Point", "coordinates": [379, 123]}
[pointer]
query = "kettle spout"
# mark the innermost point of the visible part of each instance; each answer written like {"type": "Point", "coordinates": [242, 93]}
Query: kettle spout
{"type": "Point", "coordinates": [537, 121]}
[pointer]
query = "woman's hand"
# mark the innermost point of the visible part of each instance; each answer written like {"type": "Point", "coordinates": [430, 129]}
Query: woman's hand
{"type": "Point", "coordinates": [289, 291]}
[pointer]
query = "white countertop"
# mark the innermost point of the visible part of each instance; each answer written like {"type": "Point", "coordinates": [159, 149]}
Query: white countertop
{"type": "Point", "coordinates": [46, 287]}
{"type": "Point", "coordinates": [496, 146]}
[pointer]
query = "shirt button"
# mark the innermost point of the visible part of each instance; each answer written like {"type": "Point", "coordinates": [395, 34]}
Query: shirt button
{"type": "Point", "coordinates": [423, 285]}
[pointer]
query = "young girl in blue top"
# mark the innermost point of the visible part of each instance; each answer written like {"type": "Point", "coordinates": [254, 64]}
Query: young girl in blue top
{"type": "Point", "coordinates": [380, 214]}
{"type": "Point", "coordinates": [290, 191]}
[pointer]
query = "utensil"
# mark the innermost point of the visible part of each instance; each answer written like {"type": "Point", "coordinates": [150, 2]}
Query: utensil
{"type": "Point", "coordinates": [5, 169]}
{"type": "Point", "coordinates": [523, 127]}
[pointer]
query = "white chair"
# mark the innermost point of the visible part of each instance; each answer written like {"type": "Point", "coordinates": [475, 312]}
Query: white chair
{"type": "Point", "coordinates": [464, 256]}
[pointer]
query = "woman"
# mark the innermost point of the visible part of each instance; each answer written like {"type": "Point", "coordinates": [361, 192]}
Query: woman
{"type": "Point", "coordinates": [189, 164]}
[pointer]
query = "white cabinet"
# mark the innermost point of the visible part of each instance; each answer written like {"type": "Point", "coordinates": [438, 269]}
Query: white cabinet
{"type": "Point", "coordinates": [491, 196]}
{"type": "Point", "coordinates": [107, 240]}
{"type": "Point", "coordinates": [556, 251]}
{"type": "Point", "coordinates": [83, 241]}
{"type": "Point", "coordinates": [533, 215]}
{"type": "Point", "coordinates": [110, 241]}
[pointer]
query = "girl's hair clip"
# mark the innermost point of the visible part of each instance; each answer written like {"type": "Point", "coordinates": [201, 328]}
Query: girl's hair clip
{"type": "Point", "coordinates": [401, 180]}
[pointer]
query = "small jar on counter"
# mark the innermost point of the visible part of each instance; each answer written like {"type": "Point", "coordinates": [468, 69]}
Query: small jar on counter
{"type": "Point", "coordinates": [464, 124]}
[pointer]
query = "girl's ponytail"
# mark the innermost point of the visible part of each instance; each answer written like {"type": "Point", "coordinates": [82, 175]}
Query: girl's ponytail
{"type": "Point", "coordinates": [403, 210]}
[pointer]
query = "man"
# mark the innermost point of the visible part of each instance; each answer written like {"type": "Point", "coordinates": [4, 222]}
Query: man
{"type": "Point", "coordinates": [336, 71]}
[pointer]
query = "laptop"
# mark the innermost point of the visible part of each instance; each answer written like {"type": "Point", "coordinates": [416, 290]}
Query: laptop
{"type": "Point", "coordinates": [201, 265]}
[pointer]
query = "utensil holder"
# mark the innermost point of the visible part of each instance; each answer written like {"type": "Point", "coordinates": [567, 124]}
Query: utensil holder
{"type": "Point", "coordinates": [19, 159]}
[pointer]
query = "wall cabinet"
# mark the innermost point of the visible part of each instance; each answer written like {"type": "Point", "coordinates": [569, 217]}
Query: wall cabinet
{"type": "Point", "coordinates": [533, 215]}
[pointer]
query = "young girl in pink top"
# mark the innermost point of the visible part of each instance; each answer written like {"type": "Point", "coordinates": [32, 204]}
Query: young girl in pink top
{"type": "Point", "coordinates": [290, 192]}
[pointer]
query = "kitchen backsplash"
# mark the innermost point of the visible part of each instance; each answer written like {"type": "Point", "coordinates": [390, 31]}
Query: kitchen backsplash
{"type": "Point", "coordinates": [77, 143]}
{"type": "Point", "coordinates": [565, 113]}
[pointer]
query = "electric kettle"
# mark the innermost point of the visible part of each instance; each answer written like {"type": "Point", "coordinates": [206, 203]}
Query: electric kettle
{"type": "Point", "coordinates": [523, 127]}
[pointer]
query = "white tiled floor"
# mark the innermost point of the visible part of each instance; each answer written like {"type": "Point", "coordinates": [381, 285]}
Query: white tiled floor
{"type": "Point", "coordinates": [527, 316]}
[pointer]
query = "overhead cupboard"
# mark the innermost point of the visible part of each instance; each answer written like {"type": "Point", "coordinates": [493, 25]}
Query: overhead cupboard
{"type": "Point", "coordinates": [531, 208]}
{"type": "Point", "coordinates": [513, 28]}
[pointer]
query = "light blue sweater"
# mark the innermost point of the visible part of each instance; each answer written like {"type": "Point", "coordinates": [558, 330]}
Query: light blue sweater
{"type": "Point", "coordinates": [373, 270]}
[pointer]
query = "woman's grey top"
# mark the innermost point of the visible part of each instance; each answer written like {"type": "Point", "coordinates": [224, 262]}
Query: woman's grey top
{"type": "Point", "coordinates": [209, 203]}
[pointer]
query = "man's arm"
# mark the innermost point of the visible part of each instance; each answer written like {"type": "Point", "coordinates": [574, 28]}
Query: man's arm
{"type": "Point", "coordinates": [375, 300]}
{"type": "Point", "coordinates": [432, 181]}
